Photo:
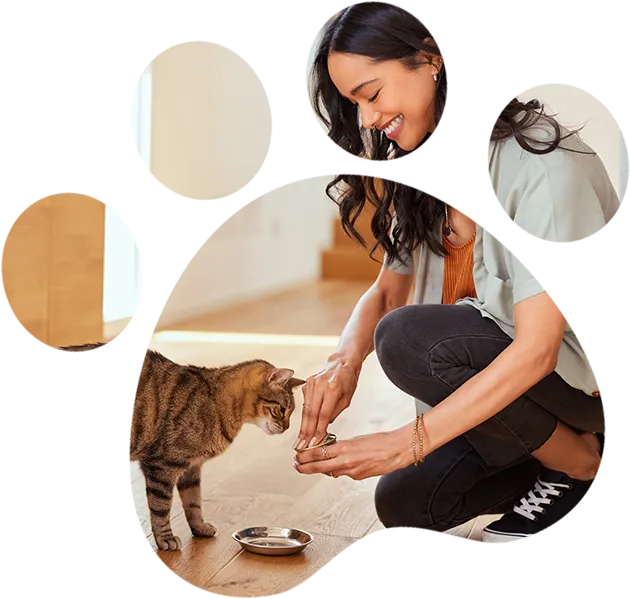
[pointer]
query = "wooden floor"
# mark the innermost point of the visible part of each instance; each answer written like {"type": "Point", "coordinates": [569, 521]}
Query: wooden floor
{"type": "Point", "coordinates": [254, 483]}
{"type": "Point", "coordinates": [316, 309]}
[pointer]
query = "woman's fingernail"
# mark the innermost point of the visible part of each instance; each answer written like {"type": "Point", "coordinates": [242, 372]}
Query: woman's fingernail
{"type": "Point", "coordinates": [296, 443]}
{"type": "Point", "coordinates": [312, 442]}
{"type": "Point", "coordinates": [301, 444]}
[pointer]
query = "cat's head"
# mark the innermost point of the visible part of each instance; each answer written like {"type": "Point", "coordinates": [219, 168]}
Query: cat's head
{"type": "Point", "coordinates": [274, 401]}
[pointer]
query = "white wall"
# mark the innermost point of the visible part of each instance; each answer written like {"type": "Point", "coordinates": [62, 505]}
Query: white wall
{"type": "Point", "coordinates": [141, 115]}
{"type": "Point", "coordinates": [575, 108]}
{"type": "Point", "coordinates": [122, 274]}
{"type": "Point", "coordinates": [272, 244]}
{"type": "Point", "coordinates": [210, 122]}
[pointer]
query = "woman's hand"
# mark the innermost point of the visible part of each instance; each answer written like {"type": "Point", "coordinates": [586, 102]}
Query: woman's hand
{"type": "Point", "coordinates": [359, 458]}
{"type": "Point", "coordinates": [326, 395]}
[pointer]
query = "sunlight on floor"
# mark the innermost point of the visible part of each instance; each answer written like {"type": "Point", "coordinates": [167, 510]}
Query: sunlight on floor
{"type": "Point", "coordinates": [246, 338]}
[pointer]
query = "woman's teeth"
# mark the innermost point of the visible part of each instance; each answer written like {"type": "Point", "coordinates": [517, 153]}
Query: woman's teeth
{"type": "Point", "coordinates": [394, 124]}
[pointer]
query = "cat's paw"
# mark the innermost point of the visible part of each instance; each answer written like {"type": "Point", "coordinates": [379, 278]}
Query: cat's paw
{"type": "Point", "coordinates": [203, 530]}
{"type": "Point", "coordinates": [168, 542]}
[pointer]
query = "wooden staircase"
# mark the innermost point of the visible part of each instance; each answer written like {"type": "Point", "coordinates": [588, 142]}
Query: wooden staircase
{"type": "Point", "coordinates": [347, 260]}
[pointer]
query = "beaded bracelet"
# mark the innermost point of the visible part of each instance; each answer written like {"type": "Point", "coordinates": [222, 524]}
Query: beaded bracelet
{"type": "Point", "coordinates": [419, 420]}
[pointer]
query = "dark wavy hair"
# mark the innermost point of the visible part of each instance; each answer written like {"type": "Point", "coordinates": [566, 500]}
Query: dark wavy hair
{"type": "Point", "coordinates": [381, 30]}
{"type": "Point", "coordinates": [518, 118]}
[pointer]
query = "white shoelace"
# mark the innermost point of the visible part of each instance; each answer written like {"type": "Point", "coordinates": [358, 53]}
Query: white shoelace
{"type": "Point", "coordinates": [538, 497]}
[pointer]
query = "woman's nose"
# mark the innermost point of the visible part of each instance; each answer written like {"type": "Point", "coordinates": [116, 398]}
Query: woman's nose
{"type": "Point", "coordinates": [369, 117]}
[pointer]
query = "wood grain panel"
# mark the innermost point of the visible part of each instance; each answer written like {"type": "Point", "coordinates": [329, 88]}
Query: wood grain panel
{"type": "Point", "coordinates": [25, 269]}
{"type": "Point", "coordinates": [77, 247]}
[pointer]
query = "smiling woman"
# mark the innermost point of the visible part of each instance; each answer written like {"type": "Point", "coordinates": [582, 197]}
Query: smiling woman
{"type": "Point", "coordinates": [378, 81]}
{"type": "Point", "coordinates": [392, 99]}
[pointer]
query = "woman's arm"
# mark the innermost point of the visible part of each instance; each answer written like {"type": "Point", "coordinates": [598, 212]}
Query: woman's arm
{"type": "Point", "coordinates": [328, 393]}
{"type": "Point", "coordinates": [388, 292]}
{"type": "Point", "coordinates": [538, 330]}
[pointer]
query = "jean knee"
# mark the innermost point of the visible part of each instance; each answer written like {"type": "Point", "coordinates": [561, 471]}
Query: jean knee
{"type": "Point", "coordinates": [393, 504]}
{"type": "Point", "coordinates": [390, 338]}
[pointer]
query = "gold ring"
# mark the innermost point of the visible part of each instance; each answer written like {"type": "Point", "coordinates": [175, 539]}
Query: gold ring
{"type": "Point", "coordinates": [325, 452]}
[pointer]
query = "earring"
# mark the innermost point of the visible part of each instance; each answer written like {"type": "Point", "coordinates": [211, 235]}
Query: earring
{"type": "Point", "coordinates": [435, 77]}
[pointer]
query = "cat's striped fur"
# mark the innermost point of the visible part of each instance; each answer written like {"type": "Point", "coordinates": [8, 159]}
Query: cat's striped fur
{"type": "Point", "coordinates": [184, 415]}
{"type": "Point", "coordinates": [76, 349]}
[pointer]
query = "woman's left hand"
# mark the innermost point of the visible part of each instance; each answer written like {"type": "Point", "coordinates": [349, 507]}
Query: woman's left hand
{"type": "Point", "coordinates": [358, 458]}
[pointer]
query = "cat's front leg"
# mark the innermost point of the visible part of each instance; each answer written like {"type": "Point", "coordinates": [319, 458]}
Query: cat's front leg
{"type": "Point", "coordinates": [160, 482]}
{"type": "Point", "coordinates": [189, 487]}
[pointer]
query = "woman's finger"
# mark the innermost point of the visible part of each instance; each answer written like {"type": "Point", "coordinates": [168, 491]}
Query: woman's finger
{"type": "Point", "coordinates": [307, 393]}
{"type": "Point", "coordinates": [332, 465]}
{"type": "Point", "coordinates": [318, 453]}
{"type": "Point", "coordinates": [332, 396]}
{"type": "Point", "coordinates": [310, 413]}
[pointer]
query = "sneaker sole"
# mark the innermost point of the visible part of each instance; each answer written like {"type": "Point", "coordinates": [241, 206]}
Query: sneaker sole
{"type": "Point", "coordinates": [492, 536]}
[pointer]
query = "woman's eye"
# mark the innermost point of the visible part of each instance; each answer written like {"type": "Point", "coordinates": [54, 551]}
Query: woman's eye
{"type": "Point", "coordinates": [375, 96]}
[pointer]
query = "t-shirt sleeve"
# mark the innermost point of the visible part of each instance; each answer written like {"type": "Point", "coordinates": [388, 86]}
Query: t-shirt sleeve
{"type": "Point", "coordinates": [524, 285]}
{"type": "Point", "coordinates": [559, 199]}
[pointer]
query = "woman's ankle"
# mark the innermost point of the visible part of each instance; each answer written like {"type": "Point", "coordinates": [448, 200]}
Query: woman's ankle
{"type": "Point", "coordinates": [593, 441]}
{"type": "Point", "coordinates": [590, 468]}
{"type": "Point", "coordinates": [573, 454]}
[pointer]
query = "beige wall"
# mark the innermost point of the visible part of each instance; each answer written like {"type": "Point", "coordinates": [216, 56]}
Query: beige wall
{"type": "Point", "coordinates": [211, 122]}
{"type": "Point", "coordinates": [273, 243]}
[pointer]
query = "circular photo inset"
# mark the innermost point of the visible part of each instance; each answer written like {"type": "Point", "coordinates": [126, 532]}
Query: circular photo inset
{"type": "Point", "coordinates": [71, 272]}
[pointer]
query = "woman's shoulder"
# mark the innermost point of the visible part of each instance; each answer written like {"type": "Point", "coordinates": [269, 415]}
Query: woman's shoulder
{"type": "Point", "coordinates": [572, 151]}
{"type": "Point", "coordinates": [571, 180]}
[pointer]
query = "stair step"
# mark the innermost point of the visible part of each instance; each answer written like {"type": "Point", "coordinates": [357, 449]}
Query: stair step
{"type": "Point", "coordinates": [341, 240]}
{"type": "Point", "coordinates": [349, 264]}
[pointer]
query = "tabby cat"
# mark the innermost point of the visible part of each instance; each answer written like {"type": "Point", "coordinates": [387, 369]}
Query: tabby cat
{"type": "Point", "coordinates": [79, 349]}
{"type": "Point", "coordinates": [185, 415]}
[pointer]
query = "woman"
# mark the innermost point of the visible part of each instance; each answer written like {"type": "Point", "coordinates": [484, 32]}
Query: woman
{"type": "Point", "coordinates": [378, 83]}
{"type": "Point", "coordinates": [516, 419]}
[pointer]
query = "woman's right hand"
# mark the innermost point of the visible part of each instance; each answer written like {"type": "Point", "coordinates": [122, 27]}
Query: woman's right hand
{"type": "Point", "coordinates": [326, 395]}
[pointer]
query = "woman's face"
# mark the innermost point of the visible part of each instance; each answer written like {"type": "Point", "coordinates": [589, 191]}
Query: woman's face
{"type": "Point", "coordinates": [390, 96]}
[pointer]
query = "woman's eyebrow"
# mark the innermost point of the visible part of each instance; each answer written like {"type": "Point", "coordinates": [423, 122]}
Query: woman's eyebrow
{"type": "Point", "coordinates": [361, 86]}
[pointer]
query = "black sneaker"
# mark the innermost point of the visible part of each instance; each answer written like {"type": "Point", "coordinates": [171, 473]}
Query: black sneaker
{"type": "Point", "coordinates": [554, 495]}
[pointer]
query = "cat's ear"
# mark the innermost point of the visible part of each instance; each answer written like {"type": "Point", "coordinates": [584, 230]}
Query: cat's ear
{"type": "Point", "coordinates": [297, 382]}
{"type": "Point", "coordinates": [280, 376]}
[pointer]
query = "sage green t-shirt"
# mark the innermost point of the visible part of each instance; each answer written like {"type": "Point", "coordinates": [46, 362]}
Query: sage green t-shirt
{"type": "Point", "coordinates": [564, 195]}
{"type": "Point", "coordinates": [500, 281]}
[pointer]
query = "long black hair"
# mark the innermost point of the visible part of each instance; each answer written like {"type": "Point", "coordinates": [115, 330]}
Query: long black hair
{"type": "Point", "coordinates": [381, 30]}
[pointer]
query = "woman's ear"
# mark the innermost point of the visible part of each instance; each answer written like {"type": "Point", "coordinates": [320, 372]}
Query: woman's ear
{"type": "Point", "coordinates": [430, 56]}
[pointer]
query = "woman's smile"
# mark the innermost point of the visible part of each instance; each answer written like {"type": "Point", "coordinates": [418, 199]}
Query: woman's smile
{"type": "Point", "coordinates": [393, 127]}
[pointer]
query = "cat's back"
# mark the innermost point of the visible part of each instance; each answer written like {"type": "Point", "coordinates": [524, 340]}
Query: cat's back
{"type": "Point", "coordinates": [152, 402]}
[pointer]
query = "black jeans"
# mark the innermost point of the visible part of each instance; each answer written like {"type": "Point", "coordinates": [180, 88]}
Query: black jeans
{"type": "Point", "coordinates": [428, 351]}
